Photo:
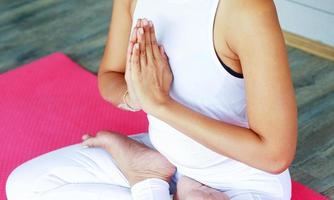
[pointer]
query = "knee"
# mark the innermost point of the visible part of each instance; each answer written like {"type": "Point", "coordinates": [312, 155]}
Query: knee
{"type": "Point", "coordinates": [15, 185]}
{"type": "Point", "coordinates": [19, 183]}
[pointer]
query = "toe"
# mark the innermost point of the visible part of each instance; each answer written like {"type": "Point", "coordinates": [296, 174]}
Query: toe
{"type": "Point", "coordinates": [85, 136]}
{"type": "Point", "coordinates": [89, 141]}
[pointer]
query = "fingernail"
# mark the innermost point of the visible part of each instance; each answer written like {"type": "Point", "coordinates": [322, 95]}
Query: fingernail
{"type": "Point", "coordinates": [141, 31]}
{"type": "Point", "coordinates": [85, 146]}
{"type": "Point", "coordinates": [145, 22]}
{"type": "Point", "coordinates": [136, 46]}
{"type": "Point", "coordinates": [150, 23]}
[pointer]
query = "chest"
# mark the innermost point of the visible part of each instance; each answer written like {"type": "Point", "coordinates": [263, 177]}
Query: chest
{"type": "Point", "coordinates": [219, 29]}
{"type": "Point", "coordinates": [188, 36]}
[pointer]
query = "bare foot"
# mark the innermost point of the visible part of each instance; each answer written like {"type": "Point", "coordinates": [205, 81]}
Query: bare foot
{"type": "Point", "coordinates": [135, 160]}
{"type": "Point", "coordinates": [189, 189]}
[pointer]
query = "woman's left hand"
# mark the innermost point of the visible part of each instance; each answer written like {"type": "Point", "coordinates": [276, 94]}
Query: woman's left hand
{"type": "Point", "coordinates": [150, 70]}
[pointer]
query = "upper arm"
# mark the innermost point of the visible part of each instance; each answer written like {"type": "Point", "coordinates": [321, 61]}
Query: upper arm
{"type": "Point", "coordinates": [114, 56]}
{"type": "Point", "coordinates": [271, 106]}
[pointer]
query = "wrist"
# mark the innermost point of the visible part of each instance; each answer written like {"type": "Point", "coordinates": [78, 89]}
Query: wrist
{"type": "Point", "coordinates": [125, 105]}
{"type": "Point", "coordinates": [129, 102]}
{"type": "Point", "coordinates": [160, 109]}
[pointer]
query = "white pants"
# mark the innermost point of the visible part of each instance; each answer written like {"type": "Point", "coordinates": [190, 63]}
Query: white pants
{"type": "Point", "coordinates": [74, 172]}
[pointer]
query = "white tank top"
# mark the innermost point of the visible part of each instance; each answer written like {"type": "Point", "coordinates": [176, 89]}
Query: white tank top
{"type": "Point", "coordinates": [200, 82]}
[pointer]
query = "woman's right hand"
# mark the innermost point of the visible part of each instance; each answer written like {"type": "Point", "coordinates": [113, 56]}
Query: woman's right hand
{"type": "Point", "coordinates": [131, 99]}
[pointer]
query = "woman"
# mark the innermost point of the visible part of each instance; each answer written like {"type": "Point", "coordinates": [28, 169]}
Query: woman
{"type": "Point", "coordinates": [214, 80]}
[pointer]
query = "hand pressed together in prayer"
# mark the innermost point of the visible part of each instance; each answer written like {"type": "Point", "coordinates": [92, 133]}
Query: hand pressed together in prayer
{"type": "Point", "coordinates": [148, 74]}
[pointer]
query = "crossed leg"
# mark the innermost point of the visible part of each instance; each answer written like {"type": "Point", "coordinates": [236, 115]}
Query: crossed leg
{"type": "Point", "coordinates": [139, 162]}
{"type": "Point", "coordinates": [74, 172]}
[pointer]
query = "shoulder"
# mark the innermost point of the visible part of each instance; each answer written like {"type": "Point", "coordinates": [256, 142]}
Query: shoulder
{"type": "Point", "coordinates": [246, 14]}
{"type": "Point", "coordinates": [244, 8]}
{"type": "Point", "coordinates": [251, 20]}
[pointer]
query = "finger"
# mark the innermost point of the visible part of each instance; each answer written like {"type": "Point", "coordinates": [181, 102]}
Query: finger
{"type": "Point", "coordinates": [129, 53]}
{"type": "Point", "coordinates": [128, 63]}
{"type": "Point", "coordinates": [165, 58]}
{"type": "Point", "coordinates": [133, 37]}
{"type": "Point", "coordinates": [148, 45]}
{"type": "Point", "coordinates": [135, 63]}
{"type": "Point", "coordinates": [166, 65]}
{"type": "Point", "coordinates": [163, 52]}
{"type": "Point", "coordinates": [138, 23]}
{"type": "Point", "coordinates": [142, 50]}
{"type": "Point", "coordinates": [155, 46]}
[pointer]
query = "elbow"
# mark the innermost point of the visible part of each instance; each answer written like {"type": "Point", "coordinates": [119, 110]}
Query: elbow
{"type": "Point", "coordinates": [279, 159]}
{"type": "Point", "coordinates": [278, 166]}
{"type": "Point", "coordinates": [105, 96]}
{"type": "Point", "coordinates": [280, 163]}
{"type": "Point", "coordinates": [280, 155]}
{"type": "Point", "coordinates": [101, 87]}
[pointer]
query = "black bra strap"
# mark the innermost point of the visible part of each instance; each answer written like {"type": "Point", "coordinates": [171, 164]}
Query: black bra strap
{"type": "Point", "coordinates": [229, 70]}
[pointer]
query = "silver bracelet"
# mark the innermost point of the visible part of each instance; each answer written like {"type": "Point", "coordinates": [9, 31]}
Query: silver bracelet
{"type": "Point", "coordinates": [125, 104]}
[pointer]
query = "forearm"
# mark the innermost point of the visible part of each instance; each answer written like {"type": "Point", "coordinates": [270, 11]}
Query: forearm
{"type": "Point", "coordinates": [112, 86]}
{"type": "Point", "coordinates": [236, 142]}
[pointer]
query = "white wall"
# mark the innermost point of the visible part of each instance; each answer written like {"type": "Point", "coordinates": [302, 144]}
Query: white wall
{"type": "Point", "coordinates": [313, 19]}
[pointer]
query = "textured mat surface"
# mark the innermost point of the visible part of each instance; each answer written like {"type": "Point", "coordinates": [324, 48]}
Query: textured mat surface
{"type": "Point", "coordinates": [51, 102]}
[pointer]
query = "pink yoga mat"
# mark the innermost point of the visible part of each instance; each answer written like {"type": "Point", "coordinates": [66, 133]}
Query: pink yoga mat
{"type": "Point", "coordinates": [51, 102]}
